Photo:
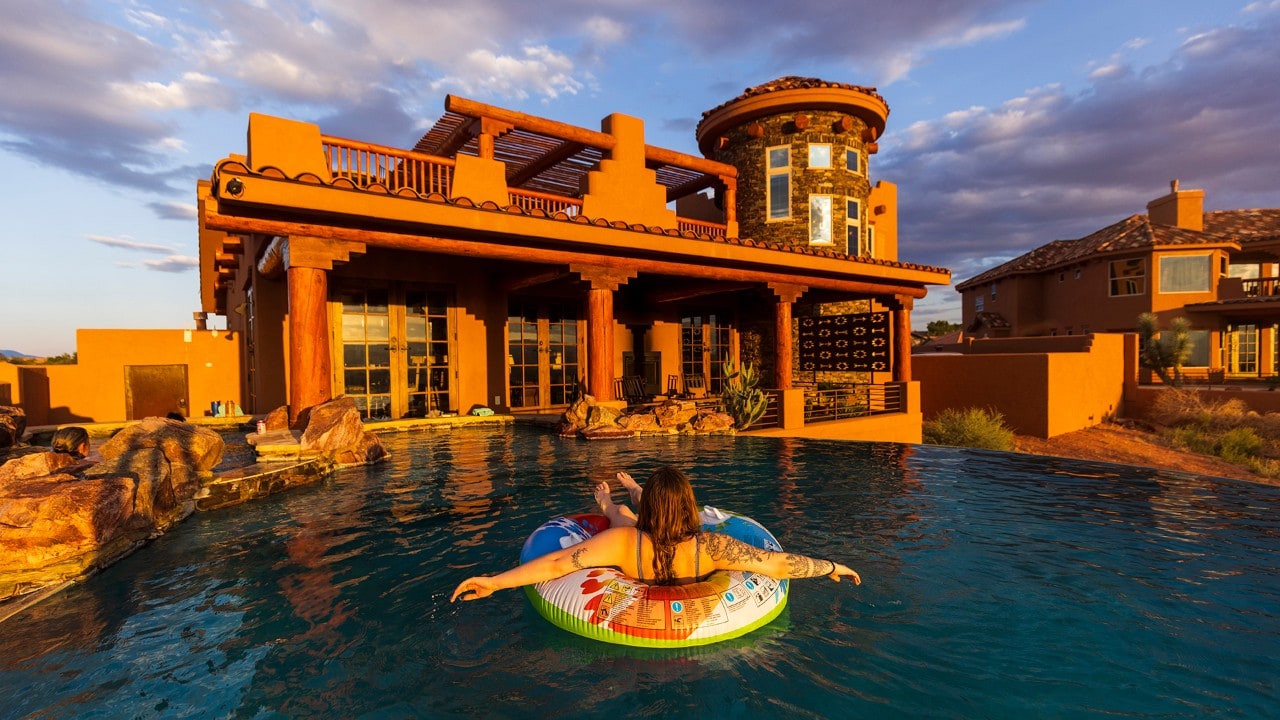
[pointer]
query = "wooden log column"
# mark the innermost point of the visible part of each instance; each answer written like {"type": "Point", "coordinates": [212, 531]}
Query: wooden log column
{"type": "Point", "coordinates": [308, 261]}
{"type": "Point", "coordinates": [309, 365]}
{"type": "Point", "coordinates": [783, 342]}
{"type": "Point", "coordinates": [604, 282]}
{"type": "Point", "coordinates": [901, 308]}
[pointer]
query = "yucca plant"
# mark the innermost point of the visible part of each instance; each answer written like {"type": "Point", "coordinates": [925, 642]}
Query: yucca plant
{"type": "Point", "coordinates": [744, 402]}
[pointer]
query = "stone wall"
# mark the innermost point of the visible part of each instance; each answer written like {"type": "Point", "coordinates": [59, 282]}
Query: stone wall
{"type": "Point", "coordinates": [747, 148]}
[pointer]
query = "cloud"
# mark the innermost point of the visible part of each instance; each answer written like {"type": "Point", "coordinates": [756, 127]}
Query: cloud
{"type": "Point", "coordinates": [170, 264]}
{"type": "Point", "coordinates": [171, 210]}
{"type": "Point", "coordinates": [128, 244]}
{"type": "Point", "coordinates": [982, 185]}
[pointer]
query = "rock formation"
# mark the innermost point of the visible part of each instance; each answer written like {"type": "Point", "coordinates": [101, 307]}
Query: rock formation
{"type": "Point", "coordinates": [589, 420]}
{"type": "Point", "coordinates": [62, 519]}
{"type": "Point", "coordinates": [13, 422]}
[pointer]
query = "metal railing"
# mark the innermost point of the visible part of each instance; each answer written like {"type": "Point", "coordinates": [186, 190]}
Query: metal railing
{"type": "Point", "coordinates": [770, 417]}
{"type": "Point", "coordinates": [366, 164]}
{"type": "Point", "coordinates": [851, 401]}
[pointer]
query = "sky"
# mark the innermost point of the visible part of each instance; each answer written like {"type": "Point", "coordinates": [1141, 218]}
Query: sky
{"type": "Point", "coordinates": [1011, 123]}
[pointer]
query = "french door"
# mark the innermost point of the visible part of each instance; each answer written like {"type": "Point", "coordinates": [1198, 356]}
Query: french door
{"type": "Point", "coordinates": [705, 342]}
{"type": "Point", "coordinates": [394, 356]}
{"type": "Point", "coordinates": [544, 351]}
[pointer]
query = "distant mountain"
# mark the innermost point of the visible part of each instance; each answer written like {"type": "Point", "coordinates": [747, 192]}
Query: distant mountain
{"type": "Point", "coordinates": [15, 354]}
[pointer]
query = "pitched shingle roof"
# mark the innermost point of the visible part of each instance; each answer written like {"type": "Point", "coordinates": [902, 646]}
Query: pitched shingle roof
{"type": "Point", "coordinates": [1137, 232]}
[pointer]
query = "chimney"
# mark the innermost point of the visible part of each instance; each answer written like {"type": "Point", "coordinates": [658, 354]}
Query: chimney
{"type": "Point", "coordinates": [1180, 208]}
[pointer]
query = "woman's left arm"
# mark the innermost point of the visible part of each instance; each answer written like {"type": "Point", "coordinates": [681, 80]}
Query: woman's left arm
{"type": "Point", "coordinates": [601, 550]}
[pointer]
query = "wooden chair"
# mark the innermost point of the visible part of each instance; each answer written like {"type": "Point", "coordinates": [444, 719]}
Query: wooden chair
{"type": "Point", "coordinates": [636, 394]}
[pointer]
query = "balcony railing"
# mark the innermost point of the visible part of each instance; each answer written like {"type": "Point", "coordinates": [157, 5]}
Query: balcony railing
{"type": "Point", "coordinates": [851, 401]}
{"type": "Point", "coordinates": [366, 165]}
{"type": "Point", "coordinates": [1262, 287]}
{"type": "Point", "coordinates": [701, 227]}
{"type": "Point", "coordinates": [532, 200]}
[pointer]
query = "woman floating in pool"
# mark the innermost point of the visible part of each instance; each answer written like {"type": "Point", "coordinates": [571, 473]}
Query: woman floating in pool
{"type": "Point", "coordinates": [663, 544]}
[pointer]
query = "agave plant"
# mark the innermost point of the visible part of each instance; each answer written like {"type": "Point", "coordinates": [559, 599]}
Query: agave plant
{"type": "Point", "coordinates": [743, 400]}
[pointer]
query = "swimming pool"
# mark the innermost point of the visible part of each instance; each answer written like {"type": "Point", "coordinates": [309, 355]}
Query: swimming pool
{"type": "Point", "coordinates": [995, 585]}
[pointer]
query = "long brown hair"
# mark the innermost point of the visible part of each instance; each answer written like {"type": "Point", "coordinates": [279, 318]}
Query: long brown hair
{"type": "Point", "coordinates": [668, 514]}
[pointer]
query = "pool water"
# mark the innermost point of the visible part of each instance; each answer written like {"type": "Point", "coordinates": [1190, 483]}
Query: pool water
{"type": "Point", "coordinates": [995, 585]}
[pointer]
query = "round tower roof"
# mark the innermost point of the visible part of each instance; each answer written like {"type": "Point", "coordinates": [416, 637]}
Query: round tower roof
{"type": "Point", "coordinates": [790, 94]}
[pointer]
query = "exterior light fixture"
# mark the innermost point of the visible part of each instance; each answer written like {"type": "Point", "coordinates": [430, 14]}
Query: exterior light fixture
{"type": "Point", "coordinates": [235, 187]}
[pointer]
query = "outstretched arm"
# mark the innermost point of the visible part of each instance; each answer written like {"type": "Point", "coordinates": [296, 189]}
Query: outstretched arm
{"type": "Point", "coordinates": [598, 551]}
{"type": "Point", "coordinates": [729, 553]}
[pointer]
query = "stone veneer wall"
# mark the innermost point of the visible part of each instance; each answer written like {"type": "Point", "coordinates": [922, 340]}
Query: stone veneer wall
{"type": "Point", "coordinates": [748, 155]}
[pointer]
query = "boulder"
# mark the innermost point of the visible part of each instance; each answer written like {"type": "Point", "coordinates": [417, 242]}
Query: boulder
{"type": "Point", "coordinates": [607, 432]}
{"type": "Point", "coordinates": [335, 431]}
{"type": "Point", "coordinates": [55, 531]}
{"type": "Point", "coordinates": [675, 414]}
{"type": "Point", "coordinates": [639, 422]}
{"type": "Point", "coordinates": [277, 419]}
{"type": "Point", "coordinates": [368, 451]}
{"type": "Point", "coordinates": [180, 442]}
{"type": "Point", "coordinates": [602, 416]}
{"type": "Point", "coordinates": [13, 423]}
{"type": "Point", "coordinates": [713, 422]}
{"type": "Point", "coordinates": [34, 465]}
{"type": "Point", "coordinates": [331, 427]}
{"type": "Point", "coordinates": [166, 489]}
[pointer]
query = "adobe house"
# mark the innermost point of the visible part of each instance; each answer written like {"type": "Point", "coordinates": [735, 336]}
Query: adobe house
{"type": "Point", "coordinates": [506, 259]}
{"type": "Point", "coordinates": [1218, 269]}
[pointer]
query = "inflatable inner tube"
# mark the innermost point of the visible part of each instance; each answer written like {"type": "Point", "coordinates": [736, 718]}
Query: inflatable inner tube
{"type": "Point", "coordinates": [603, 604]}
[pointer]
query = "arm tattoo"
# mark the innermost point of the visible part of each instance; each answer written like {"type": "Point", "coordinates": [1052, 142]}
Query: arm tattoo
{"type": "Point", "coordinates": [723, 547]}
{"type": "Point", "coordinates": [577, 558]}
{"type": "Point", "coordinates": [800, 566]}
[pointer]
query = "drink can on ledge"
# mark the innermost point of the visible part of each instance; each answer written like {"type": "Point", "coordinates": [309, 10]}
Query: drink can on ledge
{"type": "Point", "coordinates": [262, 427]}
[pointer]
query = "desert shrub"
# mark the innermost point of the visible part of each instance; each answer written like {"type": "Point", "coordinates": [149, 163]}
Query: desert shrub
{"type": "Point", "coordinates": [1239, 445]}
{"type": "Point", "coordinates": [971, 427]}
{"type": "Point", "coordinates": [1191, 437]}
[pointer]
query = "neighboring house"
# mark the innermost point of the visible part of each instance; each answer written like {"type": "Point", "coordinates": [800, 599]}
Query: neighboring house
{"type": "Point", "coordinates": [1218, 269]}
{"type": "Point", "coordinates": [509, 258]}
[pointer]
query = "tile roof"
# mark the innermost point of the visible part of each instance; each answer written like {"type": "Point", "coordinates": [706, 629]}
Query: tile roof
{"type": "Point", "coordinates": [792, 82]}
{"type": "Point", "coordinates": [1137, 232]}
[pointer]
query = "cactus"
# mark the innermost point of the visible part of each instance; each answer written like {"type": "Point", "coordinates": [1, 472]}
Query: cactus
{"type": "Point", "coordinates": [743, 401]}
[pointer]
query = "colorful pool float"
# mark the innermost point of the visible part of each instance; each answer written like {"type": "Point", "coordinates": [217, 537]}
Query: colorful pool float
{"type": "Point", "coordinates": [603, 604]}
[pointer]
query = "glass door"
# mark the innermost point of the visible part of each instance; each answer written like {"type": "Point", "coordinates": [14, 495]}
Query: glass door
{"type": "Point", "coordinates": [1242, 352]}
{"type": "Point", "coordinates": [705, 342]}
{"type": "Point", "coordinates": [395, 351]}
{"type": "Point", "coordinates": [543, 351]}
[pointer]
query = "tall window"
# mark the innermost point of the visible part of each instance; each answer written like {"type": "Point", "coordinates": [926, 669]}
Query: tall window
{"type": "Point", "coordinates": [705, 342]}
{"type": "Point", "coordinates": [820, 220]}
{"type": "Point", "coordinates": [1185, 273]}
{"type": "Point", "coordinates": [779, 172]}
{"type": "Point", "coordinates": [853, 229]}
{"type": "Point", "coordinates": [1128, 277]}
{"type": "Point", "coordinates": [979, 302]}
{"type": "Point", "coordinates": [819, 156]}
{"type": "Point", "coordinates": [853, 160]}
{"type": "Point", "coordinates": [871, 241]}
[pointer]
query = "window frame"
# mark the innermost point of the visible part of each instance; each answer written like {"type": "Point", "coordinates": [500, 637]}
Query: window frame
{"type": "Point", "coordinates": [770, 173]}
{"type": "Point", "coordinates": [829, 220]}
{"type": "Point", "coordinates": [1206, 258]}
{"type": "Point", "coordinates": [1139, 281]}
{"type": "Point", "coordinates": [809, 156]}
{"type": "Point", "coordinates": [853, 222]}
{"type": "Point", "coordinates": [856, 154]}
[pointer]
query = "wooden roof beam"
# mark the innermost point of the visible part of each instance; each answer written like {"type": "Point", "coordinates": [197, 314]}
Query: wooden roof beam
{"type": "Point", "coordinates": [535, 279]}
{"type": "Point", "coordinates": [691, 187]}
{"type": "Point", "coordinates": [460, 136]}
{"type": "Point", "coordinates": [564, 151]}
{"type": "Point", "coordinates": [696, 291]}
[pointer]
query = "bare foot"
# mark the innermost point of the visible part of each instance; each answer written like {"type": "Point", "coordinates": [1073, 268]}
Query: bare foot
{"type": "Point", "coordinates": [632, 487]}
{"type": "Point", "coordinates": [604, 498]}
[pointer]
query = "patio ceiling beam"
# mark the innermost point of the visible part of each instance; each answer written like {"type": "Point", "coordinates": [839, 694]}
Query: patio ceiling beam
{"type": "Point", "coordinates": [482, 248]}
{"type": "Point", "coordinates": [696, 291]}
{"type": "Point", "coordinates": [534, 279]}
{"type": "Point", "coordinates": [559, 154]}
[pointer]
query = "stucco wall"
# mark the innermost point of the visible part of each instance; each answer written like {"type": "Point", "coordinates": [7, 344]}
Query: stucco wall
{"type": "Point", "coordinates": [1040, 393]}
{"type": "Point", "coordinates": [93, 390]}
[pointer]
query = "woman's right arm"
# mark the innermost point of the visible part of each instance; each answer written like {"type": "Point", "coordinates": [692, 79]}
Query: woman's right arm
{"type": "Point", "coordinates": [729, 553]}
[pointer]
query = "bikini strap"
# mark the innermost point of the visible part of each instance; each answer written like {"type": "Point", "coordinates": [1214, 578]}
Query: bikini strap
{"type": "Point", "coordinates": [697, 556]}
{"type": "Point", "coordinates": [639, 543]}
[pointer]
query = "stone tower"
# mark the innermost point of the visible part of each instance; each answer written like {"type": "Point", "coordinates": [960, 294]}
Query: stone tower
{"type": "Point", "coordinates": [801, 147]}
